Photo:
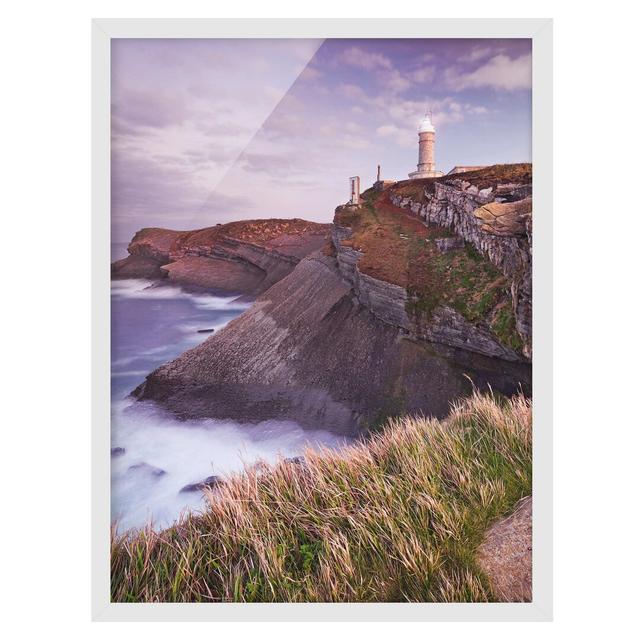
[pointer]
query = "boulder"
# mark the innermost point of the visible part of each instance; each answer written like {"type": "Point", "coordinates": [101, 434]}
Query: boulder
{"type": "Point", "coordinates": [505, 555]}
{"type": "Point", "coordinates": [208, 483]}
{"type": "Point", "coordinates": [505, 218]}
{"type": "Point", "coordinates": [149, 469]}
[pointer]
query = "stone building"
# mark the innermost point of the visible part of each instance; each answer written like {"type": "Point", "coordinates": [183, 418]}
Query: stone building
{"type": "Point", "coordinates": [459, 168]}
{"type": "Point", "coordinates": [426, 162]}
{"type": "Point", "coordinates": [426, 151]}
{"type": "Point", "coordinates": [354, 190]}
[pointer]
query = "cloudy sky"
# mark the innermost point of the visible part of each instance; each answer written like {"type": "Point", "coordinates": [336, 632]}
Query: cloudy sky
{"type": "Point", "coordinates": [208, 131]}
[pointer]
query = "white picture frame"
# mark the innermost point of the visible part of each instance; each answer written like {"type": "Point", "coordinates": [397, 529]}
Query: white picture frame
{"type": "Point", "coordinates": [540, 31]}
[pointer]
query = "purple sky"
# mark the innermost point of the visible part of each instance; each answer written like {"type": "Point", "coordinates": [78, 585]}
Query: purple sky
{"type": "Point", "coordinates": [208, 131]}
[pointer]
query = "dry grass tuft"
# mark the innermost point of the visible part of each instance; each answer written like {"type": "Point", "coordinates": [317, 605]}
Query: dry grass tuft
{"type": "Point", "coordinates": [396, 518]}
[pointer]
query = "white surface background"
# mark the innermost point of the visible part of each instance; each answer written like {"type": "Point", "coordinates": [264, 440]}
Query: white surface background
{"type": "Point", "coordinates": [46, 341]}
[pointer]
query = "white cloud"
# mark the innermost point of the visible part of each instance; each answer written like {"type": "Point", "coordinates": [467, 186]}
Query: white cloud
{"type": "Point", "coordinates": [403, 136]}
{"type": "Point", "coordinates": [387, 130]}
{"type": "Point", "coordinates": [477, 53]}
{"type": "Point", "coordinates": [500, 72]}
{"type": "Point", "coordinates": [478, 110]}
{"type": "Point", "coordinates": [424, 74]}
{"type": "Point", "coordinates": [393, 80]}
{"type": "Point", "coordinates": [310, 73]}
{"type": "Point", "coordinates": [404, 116]}
{"type": "Point", "coordinates": [355, 142]}
{"type": "Point", "coordinates": [396, 82]}
{"type": "Point", "coordinates": [426, 57]}
{"type": "Point", "coordinates": [351, 92]}
{"type": "Point", "coordinates": [369, 60]}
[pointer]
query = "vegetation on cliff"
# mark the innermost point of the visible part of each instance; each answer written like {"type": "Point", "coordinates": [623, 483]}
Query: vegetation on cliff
{"type": "Point", "coordinates": [398, 517]}
{"type": "Point", "coordinates": [265, 232]}
{"type": "Point", "coordinates": [400, 249]}
{"type": "Point", "coordinates": [163, 242]}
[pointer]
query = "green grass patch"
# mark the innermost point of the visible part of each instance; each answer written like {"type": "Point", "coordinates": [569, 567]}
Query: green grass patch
{"type": "Point", "coordinates": [462, 279]}
{"type": "Point", "coordinates": [504, 326]}
{"type": "Point", "coordinates": [395, 518]}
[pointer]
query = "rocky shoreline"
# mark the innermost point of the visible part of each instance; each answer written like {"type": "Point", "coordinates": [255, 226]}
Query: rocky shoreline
{"type": "Point", "coordinates": [244, 257]}
{"type": "Point", "coordinates": [327, 344]}
{"type": "Point", "coordinates": [309, 351]}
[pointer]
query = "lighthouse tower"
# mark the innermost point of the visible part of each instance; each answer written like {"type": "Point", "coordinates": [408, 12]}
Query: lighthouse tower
{"type": "Point", "coordinates": [426, 150]}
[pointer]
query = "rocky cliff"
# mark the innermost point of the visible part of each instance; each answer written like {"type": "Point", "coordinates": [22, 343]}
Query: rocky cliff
{"type": "Point", "coordinates": [395, 305]}
{"type": "Point", "coordinates": [491, 209]}
{"type": "Point", "coordinates": [247, 256]}
{"type": "Point", "coordinates": [397, 314]}
{"type": "Point", "coordinates": [309, 350]}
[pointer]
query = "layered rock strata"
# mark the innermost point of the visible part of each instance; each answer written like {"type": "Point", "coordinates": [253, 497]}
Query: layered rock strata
{"type": "Point", "coordinates": [497, 221]}
{"type": "Point", "coordinates": [235, 257]}
{"type": "Point", "coordinates": [309, 350]}
{"type": "Point", "coordinates": [388, 303]}
{"type": "Point", "coordinates": [330, 346]}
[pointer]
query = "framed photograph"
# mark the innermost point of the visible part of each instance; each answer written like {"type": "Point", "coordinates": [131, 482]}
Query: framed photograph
{"type": "Point", "coordinates": [319, 319]}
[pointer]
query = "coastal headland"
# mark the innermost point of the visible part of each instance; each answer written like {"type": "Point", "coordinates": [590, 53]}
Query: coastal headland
{"type": "Point", "coordinates": [410, 299]}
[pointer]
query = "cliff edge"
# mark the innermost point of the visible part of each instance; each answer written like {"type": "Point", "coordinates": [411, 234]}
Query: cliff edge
{"type": "Point", "coordinates": [247, 256]}
{"type": "Point", "coordinates": [416, 299]}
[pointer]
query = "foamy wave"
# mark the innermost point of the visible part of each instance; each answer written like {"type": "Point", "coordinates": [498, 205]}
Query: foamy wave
{"type": "Point", "coordinates": [148, 289]}
{"type": "Point", "coordinates": [153, 440]}
{"type": "Point", "coordinates": [188, 451]}
{"type": "Point", "coordinates": [155, 352]}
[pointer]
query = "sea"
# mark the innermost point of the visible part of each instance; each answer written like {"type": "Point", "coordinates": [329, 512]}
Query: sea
{"type": "Point", "coordinates": [154, 455]}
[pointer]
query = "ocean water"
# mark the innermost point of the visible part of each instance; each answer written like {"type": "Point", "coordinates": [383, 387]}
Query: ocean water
{"type": "Point", "coordinates": [151, 324]}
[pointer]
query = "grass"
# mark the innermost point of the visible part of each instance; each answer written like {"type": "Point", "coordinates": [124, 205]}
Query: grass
{"type": "Point", "coordinates": [503, 324]}
{"type": "Point", "coordinates": [461, 279]}
{"type": "Point", "coordinates": [395, 518]}
{"type": "Point", "coordinates": [386, 235]}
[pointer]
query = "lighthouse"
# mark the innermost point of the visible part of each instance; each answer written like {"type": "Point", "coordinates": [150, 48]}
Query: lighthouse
{"type": "Point", "coordinates": [426, 150]}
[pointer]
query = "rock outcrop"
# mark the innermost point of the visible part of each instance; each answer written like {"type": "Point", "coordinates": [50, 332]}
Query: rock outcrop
{"type": "Point", "coordinates": [385, 300]}
{"type": "Point", "coordinates": [244, 257]}
{"type": "Point", "coordinates": [340, 339]}
{"type": "Point", "coordinates": [495, 219]}
{"type": "Point", "coordinates": [309, 350]}
{"type": "Point", "coordinates": [447, 326]}
{"type": "Point", "coordinates": [505, 555]}
{"type": "Point", "coordinates": [449, 244]}
{"type": "Point", "coordinates": [148, 250]}
{"type": "Point", "coordinates": [388, 302]}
